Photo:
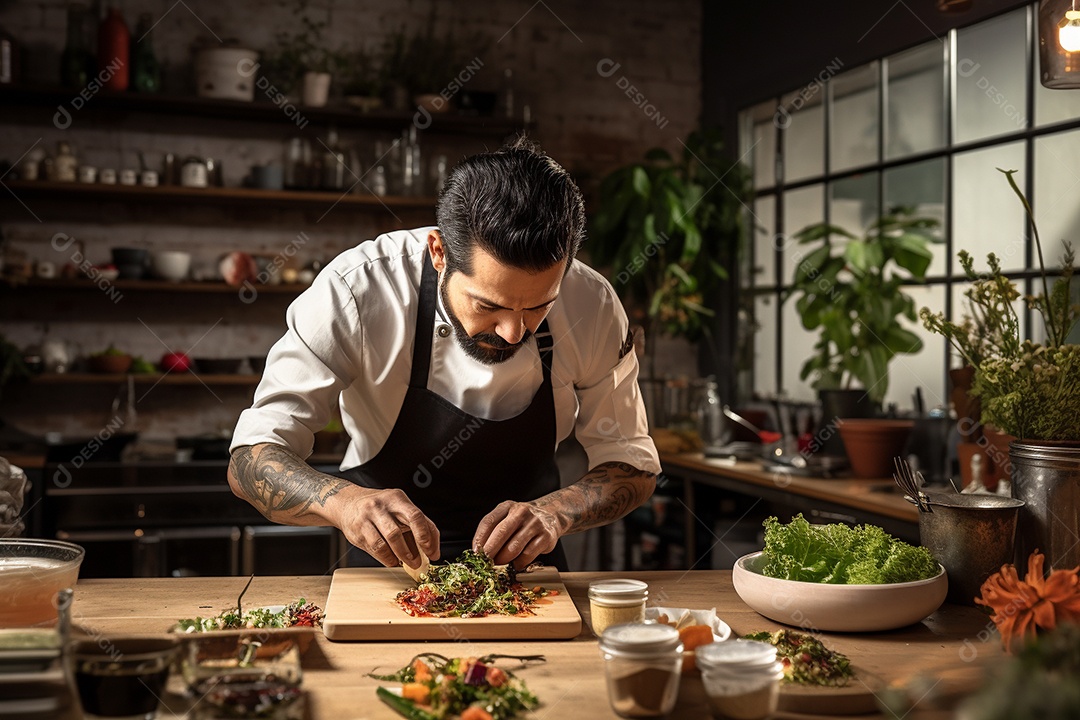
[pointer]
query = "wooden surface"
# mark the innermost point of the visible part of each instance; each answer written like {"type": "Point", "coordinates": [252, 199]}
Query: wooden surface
{"type": "Point", "coordinates": [948, 650]}
{"type": "Point", "coordinates": [874, 496]}
{"type": "Point", "coordinates": [361, 607]}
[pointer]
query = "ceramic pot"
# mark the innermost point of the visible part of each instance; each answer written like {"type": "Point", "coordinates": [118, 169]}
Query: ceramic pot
{"type": "Point", "coordinates": [316, 89]}
{"type": "Point", "coordinates": [871, 445]}
{"type": "Point", "coordinates": [837, 404]}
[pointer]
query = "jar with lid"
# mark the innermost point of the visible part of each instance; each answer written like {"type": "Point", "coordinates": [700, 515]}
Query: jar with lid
{"type": "Point", "coordinates": [194, 173]}
{"type": "Point", "coordinates": [642, 666]}
{"type": "Point", "coordinates": [741, 678]}
{"type": "Point", "coordinates": [613, 602]}
{"type": "Point", "coordinates": [65, 166]}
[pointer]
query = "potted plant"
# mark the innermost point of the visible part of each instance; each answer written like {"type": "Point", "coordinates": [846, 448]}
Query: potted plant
{"type": "Point", "coordinates": [850, 289]}
{"type": "Point", "coordinates": [666, 226]}
{"type": "Point", "coordinates": [422, 65]}
{"type": "Point", "coordinates": [360, 80]}
{"type": "Point", "coordinates": [301, 58]}
{"type": "Point", "coordinates": [1030, 390]}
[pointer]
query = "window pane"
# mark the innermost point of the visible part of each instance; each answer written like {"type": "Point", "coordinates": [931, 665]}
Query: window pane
{"type": "Point", "coordinates": [854, 202]}
{"type": "Point", "coordinates": [798, 346]}
{"type": "Point", "coordinates": [803, 120]}
{"type": "Point", "coordinates": [758, 139]}
{"type": "Point", "coordinates": [801, 208]}
{"type": "Point", "coordinates": [991, 81]}
{"type": "Point", "coordinates": [765, 344]}
{"type": "Point", "coordinates": [921, 186]}
{"type": "Point", "coordinates": [764, 241]}
{"type": "Point", "coordinates": [915, 117]}
{"type": "Point", "coordinates": [1057, 187]}
{"type": "Point", "coordinates": [987, 216]}
{"type": "Point", "coordinates": [1053, 106]}
{"type": "Point", "coordinates": [853, 135]}
{"type": "Point", "coordinates": [925, 369]}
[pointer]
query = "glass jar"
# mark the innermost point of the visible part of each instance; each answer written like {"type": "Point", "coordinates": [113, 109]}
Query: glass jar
{"type": "Point", "coordinates": [712, 425]}
{"type": "Point", "coordinates": [642, 665]}
{"type": "Point", "coordinates": [741, 678]}
{"type": "Point", "coordinates": [613, 602]}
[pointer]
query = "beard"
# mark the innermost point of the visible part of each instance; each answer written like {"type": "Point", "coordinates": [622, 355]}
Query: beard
{"type": "Point", "coordinates": [497, 350]}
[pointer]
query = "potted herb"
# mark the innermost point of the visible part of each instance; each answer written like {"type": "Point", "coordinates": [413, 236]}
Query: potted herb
{"type": "Point", "coordinates": [360, 80]}
{"type": "Point", "coordinates": [301, 58]}
{"type": "Point", "coordinates": [1030, 390]}
{"type": "Point", "coordinates": [423, 64]}
{"type": "Point", "coordinates": [666, 226]}
{"type": "Point", "coordinates": [850, 290]}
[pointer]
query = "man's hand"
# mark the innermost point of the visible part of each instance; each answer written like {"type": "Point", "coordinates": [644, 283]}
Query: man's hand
{"type": "Point", "coordinates": [287, 490]}
{"type": "Point", "coordinates": [386, 524]}
{"type": "Point", "coordinates": [518, 532]}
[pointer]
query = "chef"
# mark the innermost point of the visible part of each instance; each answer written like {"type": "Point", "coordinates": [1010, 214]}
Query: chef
{"type": "Point", "coordinates": [460, 356]}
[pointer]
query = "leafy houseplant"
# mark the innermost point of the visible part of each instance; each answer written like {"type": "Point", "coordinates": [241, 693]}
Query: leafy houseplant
{"type": "Point", "coordinates": [1029, 390]}
{"type": "Point", "coordinates": [301, 51]}
{"type": "Point", "coordinates": [424, 63]}
{"type": "Point", "coordinates": [851, 291]}
{"type": "Point", "coordinates": [666, 226]}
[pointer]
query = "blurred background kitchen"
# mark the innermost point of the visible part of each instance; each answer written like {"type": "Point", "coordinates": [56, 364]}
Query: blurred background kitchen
{"type": "Point", "coordinates": [176, 173]}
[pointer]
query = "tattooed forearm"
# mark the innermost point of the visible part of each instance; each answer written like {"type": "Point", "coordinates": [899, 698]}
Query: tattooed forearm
{"type": "Point", "coordinates": [278, 483]}
{"type": "Point", "coordinates": [606, 493]}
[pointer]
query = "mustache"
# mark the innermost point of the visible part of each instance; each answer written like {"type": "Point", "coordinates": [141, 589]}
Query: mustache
{"type": "Point", "coordinates": [498, 343]}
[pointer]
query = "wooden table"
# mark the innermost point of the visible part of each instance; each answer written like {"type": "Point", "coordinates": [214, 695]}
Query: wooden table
{"type": "Point", "coordinates": [571, 683]}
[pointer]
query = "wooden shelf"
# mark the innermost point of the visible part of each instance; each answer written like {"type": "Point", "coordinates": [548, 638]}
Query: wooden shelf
{"type": "Point", "coordinates": [187, 378]}
{"type": "Point", "coordinates": [84, 284]}
{"type": "Point", "coordinates": [341, 116]}
{"type": "Point", "coordinates": [319, 200]}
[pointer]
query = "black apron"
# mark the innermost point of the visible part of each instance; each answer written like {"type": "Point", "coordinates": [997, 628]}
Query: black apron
{"type": "Point", "coordinates": [457, 467]}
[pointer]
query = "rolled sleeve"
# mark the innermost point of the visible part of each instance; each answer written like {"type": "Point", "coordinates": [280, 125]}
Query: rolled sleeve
{"type": "Point", "coordinates": [611, 424]}
{"type": "Point", "coordinates": [306, 370]}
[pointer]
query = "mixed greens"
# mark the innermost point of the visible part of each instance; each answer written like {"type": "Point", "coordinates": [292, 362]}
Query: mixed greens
{"type": "Point", "coordinates": [806, 660]}
{"type": "Point", "coordinates": [472, 586]}
{"type": "Point", "coordinates": [434, 687]}
{"type": "Point", "coordinates": [299, 614]}
{"type": "Point", "coordinates": [837, 553]}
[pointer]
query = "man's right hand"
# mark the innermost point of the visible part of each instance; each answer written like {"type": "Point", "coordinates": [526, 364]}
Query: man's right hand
{"type": "Point", "coordinates": [386, 525]}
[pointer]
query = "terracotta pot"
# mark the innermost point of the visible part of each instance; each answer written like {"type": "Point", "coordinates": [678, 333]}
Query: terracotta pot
{"type": "Point", "coordinates": [835, 405]}
{"type": "Point", "coordinates": [965, 451]}
{"type": "Point", "coordinates": [968, 407]}
{"type": "Point", "coordinates": [997, 448]}
{"type": "Point", "coordinates": [872, 444]}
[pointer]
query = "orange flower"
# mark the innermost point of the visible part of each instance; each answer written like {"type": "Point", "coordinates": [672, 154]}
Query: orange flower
{"type": "Point", "coordinates": [1037, 601]}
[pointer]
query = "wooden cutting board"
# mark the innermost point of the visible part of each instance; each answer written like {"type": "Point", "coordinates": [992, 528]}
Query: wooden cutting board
{"type": "Point", "coordinates": [858, 697]}
{"type": "Point", "coordinates": [361, 607]}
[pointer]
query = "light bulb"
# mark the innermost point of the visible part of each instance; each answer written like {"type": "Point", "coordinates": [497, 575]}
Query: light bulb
{"type": "Point", "coordinates": [1069, 33]}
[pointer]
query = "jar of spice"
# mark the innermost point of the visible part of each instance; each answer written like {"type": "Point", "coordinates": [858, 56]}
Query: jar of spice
{"type": "Point", "coordinates": [642, 664]}
{"type": "Point", "coordinates": [742, 679]}
{"type": "Point", "coordinates": [612, 602]}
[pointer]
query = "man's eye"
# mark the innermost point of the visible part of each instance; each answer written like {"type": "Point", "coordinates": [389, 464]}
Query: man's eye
{"type": "Point", "coordinates": [486, 308]}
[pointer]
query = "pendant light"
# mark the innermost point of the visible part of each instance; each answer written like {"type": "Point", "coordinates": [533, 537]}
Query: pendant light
{"type": "Point", "coordinates": [1059, 44]}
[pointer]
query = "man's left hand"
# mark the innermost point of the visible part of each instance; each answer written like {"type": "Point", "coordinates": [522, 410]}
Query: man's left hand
{"type": "Point", "coordinates": [517, 532]}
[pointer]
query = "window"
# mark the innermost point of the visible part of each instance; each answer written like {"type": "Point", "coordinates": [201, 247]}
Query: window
{"type": "Point", "coordinates": [925, 128]}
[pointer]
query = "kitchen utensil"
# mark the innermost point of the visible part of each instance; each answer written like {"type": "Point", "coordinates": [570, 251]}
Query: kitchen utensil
{"type": "Point", "coordinates": [836, 608]}
{"type": "Point", "coordinates": [907, 481]}
{"type": "Point", "coordinates": [361, 607]}
{"type": "Point", "coordinates": [972, 536]}
{"type": "Point", "coordinates": [128, 176]}
{"type": "Point", "coordinates": [32, 572]}
{"type": "Point", "coordinates": [742, 421]}
{"type": "Point", "coordinates": [170, 264]}
{"type": "Point", "coordinates": [194, 173]}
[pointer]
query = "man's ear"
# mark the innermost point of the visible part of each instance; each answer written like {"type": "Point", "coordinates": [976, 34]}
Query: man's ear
{"type": "Point", "coordinates": [436, 250]}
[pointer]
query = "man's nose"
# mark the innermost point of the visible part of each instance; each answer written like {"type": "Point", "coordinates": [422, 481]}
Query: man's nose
{"type": "Point", "coordinates": [512, 329]}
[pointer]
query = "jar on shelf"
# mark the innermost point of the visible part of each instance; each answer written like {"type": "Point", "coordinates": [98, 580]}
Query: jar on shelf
{"type": "Point", "coordinates": [642, 666]}
{"type": "Point", "coordinates": [65, 165]}
{"type": "Point", "coordinates": [614, 602]}
{"type": "Point", "coordinates": [741, 678]}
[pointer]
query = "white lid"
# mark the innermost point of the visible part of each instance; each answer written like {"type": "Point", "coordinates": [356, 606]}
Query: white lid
{"type": "Point", "coordinates": [748, 654]}
{"type": "Point", "coordinates": [641, 639]}
{"type": "Point", "coordinates": [618, 592]}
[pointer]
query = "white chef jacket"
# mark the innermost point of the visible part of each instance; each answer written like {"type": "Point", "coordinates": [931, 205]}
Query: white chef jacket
{"type": "Point", "coordinates": [350, 340]}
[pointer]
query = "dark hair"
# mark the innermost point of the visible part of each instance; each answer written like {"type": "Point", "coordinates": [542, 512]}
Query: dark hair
{"type": "Point", "coordinates": [517, 204]}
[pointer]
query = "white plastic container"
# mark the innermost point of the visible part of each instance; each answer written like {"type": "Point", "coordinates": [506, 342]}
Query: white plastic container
{"type": "Point", "coordinates": [227, 73]}
{"type": "Point", "coordinates": [742, 679]}
{"type": "Point", "coordinates": [642, 665]}
{"type": "Point", "coordinates": [613, 602]}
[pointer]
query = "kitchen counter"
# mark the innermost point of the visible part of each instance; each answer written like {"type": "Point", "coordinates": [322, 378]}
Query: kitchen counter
{"type": "Point", "coordinates": [571, 683]}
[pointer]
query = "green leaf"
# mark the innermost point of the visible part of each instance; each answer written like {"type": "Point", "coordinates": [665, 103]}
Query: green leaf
{"type": "Point", "coordinates": [642, 184]}
{"type": "Point", "coordinates": [808, 267]}
{"type": "Point", "coordinates": [912, 254]}
{"type": "Point", "coordinates": [691, 245]}
{"type": "Point", "coordinates": [812, 233]}
{"type": "Point", "coordinates": [855, 254]}
{"type": "Point", "coordinates": [688, 282]}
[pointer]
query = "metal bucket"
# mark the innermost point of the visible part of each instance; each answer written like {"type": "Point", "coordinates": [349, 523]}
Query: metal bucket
{"type": "Point", "coordinates": [1046, 476]}
{"type": "Point", "coordinates": [971, 536]}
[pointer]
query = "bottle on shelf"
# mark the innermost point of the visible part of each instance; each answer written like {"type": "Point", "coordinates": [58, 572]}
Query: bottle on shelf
{"type": "Point", "coordinates": [297, 165]}
{"type": "Point", "coordinates": [145, 68]}
{"type": "Point", "coordinates": [76, 62]}
{"type": "Point", "coordinates": [113, 52]}
{"type": "Point", "coordinates": [333, 163]}
{"type": "Point", "coordinates": [411, 162]}
{"type": "Point", "coordinates": [65, 165]}
{"type": "Point", "coordinates": [10, 56]}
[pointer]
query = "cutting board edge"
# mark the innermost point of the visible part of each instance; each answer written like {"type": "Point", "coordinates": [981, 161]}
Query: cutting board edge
{"type": "Point", "coordinates": [347, 632]}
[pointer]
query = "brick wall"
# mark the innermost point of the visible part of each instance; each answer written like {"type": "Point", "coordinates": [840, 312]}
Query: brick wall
{"type": "Point", "coordinates": [603, 81]}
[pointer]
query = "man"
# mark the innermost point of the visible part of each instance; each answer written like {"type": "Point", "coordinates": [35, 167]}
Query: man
{"type": "Point", "coordinates": [460, 357]}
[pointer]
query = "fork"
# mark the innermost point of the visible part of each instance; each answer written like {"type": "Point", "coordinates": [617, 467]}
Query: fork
{"type": "Point", "coordinates": [907, 481]}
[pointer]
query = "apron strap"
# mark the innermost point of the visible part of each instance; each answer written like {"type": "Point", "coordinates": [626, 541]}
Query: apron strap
{"type": "Point", "coordinates": [544, 344]}
{"type": "Point", "coordinates": [425, 324]}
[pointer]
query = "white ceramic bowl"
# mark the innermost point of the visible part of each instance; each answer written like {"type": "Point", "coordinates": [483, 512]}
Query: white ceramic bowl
{"type": "Point", "coordinates": [170, 264]}
{"type": "Point", "coordinates": [837, 608]}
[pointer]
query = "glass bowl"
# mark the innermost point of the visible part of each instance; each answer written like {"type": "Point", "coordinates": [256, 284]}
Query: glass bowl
{"type": "Point", "coordinates": [32, 572]}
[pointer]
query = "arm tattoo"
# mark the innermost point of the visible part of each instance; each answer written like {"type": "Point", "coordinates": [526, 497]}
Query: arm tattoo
{"type": "Point", "coordinates": [606, 493]}
{"type": "Point", "coordinates": [277, 482]}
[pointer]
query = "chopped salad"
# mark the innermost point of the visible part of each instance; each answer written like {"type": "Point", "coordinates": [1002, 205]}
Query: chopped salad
{"type": "Point", "coordinates": [806, 660]}
{"type": "Point", "coordinates": [471, 587]}
{"type": "Point", "coordinates": [299, 614]}
{"type": "Point", "coordinates": [434, 687]}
